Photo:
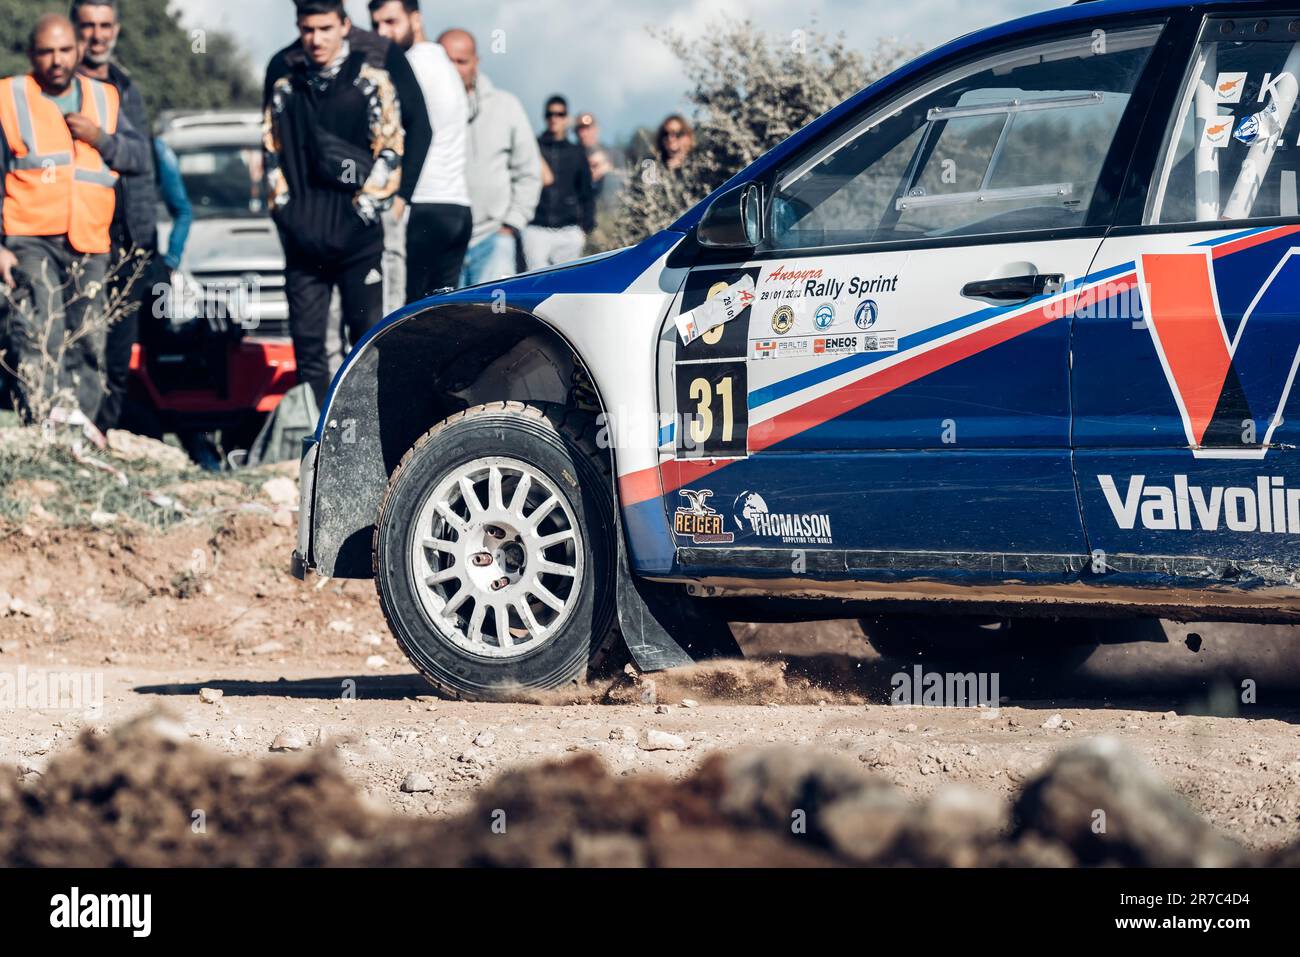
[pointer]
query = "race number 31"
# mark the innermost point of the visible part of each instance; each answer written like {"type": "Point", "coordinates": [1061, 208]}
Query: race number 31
{"type": "Point", "coordinates": [712, 402]}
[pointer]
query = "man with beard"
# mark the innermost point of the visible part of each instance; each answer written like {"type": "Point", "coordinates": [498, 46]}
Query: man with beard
{"type": "Point", "coordinates": [65, 141]}
{"type": "Point", "coordinates": [439, 224]}
{"type": "Point", "coordinates": [135, 219]}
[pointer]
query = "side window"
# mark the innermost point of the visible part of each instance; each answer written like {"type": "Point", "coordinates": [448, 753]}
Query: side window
{"type": "Point", "coordinates": [1232, 150]}
{"type": "Point", "coordinates": [1014, 142]}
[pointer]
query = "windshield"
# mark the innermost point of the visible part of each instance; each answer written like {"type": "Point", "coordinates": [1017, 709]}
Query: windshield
{"type": "Point", "coordinates": [224, 181]}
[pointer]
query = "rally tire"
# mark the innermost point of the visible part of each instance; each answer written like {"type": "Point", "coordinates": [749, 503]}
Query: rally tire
{"type": "Point", "coordinates": [557, 448]}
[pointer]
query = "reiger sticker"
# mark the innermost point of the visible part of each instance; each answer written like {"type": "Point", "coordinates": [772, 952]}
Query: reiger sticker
{"type": "Point", "coordinates": [1230, 87]}
{"type": "Point", "coordinates": [698, 521]}
{"type": "Point", "coordinates": [721, 309]}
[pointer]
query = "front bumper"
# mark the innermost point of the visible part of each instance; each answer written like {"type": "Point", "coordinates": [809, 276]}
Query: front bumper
{"type": "Point", "coordinates": [301, 561]}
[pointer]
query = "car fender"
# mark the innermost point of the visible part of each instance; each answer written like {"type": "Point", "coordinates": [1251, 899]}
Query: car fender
{"type": "Point", "coordinates": [607, 312]}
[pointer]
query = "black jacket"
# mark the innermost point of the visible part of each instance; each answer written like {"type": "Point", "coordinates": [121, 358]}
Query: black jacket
{"type": "Point", "coordinates": [570, 200]}
{"type": "Point", "coordinates": [135, 218]}
{"type": "Point", "coordinates": [387, 56]}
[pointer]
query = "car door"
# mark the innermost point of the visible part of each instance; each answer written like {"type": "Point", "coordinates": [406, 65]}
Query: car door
{"type": "Point", "coordinates": [894, 393]}
{"type": "Point", "coordinates": [1186, 354]}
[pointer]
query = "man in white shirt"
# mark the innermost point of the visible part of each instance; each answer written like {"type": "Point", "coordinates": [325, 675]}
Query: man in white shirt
{"type": "Point", "coordinates": [440, 221]}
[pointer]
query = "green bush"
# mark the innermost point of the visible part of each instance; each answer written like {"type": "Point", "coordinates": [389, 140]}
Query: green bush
{"type": "Point", "coordinates": [748, 92]}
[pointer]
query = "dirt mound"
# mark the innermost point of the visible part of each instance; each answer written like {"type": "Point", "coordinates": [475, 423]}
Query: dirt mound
{"type": "Point", "coordinates": [146, 795]}
{"type": "Point", "coordinates": [132, 483]}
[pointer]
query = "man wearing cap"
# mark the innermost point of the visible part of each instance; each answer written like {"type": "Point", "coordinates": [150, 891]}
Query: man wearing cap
{"type": "Point", "coordinates": [603, 161]}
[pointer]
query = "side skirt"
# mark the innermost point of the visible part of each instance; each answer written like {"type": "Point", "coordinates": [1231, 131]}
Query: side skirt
{"type": "Point", "coordinates": [1179, 588]}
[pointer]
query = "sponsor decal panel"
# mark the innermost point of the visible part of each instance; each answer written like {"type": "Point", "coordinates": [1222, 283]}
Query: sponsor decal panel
{"type": "Point", "coordinates": [798, 347]}
{"type": "Point", "coordinates": [753, 518]}
{"type": "Point", "coordinates": [699, 521]}
{"type": "Point", "coordinates": [1268, 507]}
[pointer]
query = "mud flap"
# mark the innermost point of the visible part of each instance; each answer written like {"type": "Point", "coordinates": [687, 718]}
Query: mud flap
{"type": "Point", "coordinates": [664, 629]}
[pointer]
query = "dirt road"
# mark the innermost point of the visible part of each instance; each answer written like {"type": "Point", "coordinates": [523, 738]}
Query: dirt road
{"type": "Point", "coordinates": [155, 618]}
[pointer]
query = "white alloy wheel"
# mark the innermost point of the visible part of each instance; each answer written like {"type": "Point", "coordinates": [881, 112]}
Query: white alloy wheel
{"type": "Point", "coordinates": [497, 558]}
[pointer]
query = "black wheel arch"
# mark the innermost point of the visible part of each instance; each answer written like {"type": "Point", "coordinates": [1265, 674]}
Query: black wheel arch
{"type": "Point", "coordinates": [406, 379]}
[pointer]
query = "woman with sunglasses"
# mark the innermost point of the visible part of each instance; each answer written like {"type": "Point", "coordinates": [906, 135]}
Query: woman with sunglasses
{"type": "Point", "coordinates": [675, 141]}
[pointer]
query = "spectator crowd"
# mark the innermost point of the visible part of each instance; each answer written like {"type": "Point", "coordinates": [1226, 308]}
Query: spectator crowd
{"type": "Point", "coordinates": [392, 161]}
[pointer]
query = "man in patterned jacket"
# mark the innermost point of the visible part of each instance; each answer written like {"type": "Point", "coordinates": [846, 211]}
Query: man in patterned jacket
{"type": "Point", "coordinates": [346, 133]}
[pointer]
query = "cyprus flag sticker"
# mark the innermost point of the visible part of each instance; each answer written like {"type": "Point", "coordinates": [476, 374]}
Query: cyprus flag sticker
{"type": "Point", "coordinates": [1229, 87]}
{"type": "Point", "coordinates": [722, 308]}
{"type": "Point", "coordinates": [1218, 131]}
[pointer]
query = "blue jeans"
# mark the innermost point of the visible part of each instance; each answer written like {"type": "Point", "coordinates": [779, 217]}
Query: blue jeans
{"type": "Point", "coordinates": [489, 260]}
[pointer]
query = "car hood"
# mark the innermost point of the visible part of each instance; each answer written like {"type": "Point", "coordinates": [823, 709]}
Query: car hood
{"type": "Point", "coordinates": [231, 245]}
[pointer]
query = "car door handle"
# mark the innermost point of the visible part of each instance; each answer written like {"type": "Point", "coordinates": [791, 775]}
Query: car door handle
{"type": "Point", "coordinates": [1012, 289]}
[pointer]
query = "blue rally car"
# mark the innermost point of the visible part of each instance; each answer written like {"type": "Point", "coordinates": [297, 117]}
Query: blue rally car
{"type": "Point", "coordinates": [1012, 332]}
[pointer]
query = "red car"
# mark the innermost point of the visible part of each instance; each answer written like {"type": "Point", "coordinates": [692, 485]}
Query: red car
{"type": "Point", "coordinates": [215, 357]}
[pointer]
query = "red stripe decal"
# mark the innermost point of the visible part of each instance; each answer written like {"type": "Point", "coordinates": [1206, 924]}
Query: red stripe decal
{"type": "Point", "coordinates": [1185, 319]}
{"type": "Point", "coordinates": [822, 410]}
{"type": "Point", "coordinates": [1246, 242]}
{"type": "Point", "coordinates": [637, 487]}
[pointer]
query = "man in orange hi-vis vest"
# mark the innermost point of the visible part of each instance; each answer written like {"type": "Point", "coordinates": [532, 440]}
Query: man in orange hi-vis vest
{"type": "Point", "coordinates": [63, 143]}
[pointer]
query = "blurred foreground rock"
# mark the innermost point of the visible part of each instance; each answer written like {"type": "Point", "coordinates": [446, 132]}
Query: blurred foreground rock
{"type": "Point", "coordinates": [147, 795]}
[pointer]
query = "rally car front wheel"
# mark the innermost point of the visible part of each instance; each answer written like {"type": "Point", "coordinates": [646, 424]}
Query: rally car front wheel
{"type": "Point", "coordinates": [495, 551]}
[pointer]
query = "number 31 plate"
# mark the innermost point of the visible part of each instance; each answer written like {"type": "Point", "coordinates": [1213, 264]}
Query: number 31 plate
{"type": "Point", "coordinates": [713, 410]}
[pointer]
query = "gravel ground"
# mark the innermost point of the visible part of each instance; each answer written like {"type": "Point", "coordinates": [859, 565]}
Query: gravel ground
{"type": "Point", "coordinates": [157, 616]}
